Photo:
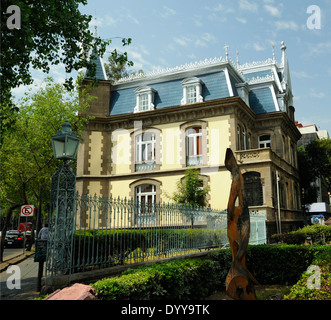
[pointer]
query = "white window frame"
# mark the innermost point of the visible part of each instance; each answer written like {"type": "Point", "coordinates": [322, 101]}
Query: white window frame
{"type": "Point", "coordinates": [189, 84]}
{"type": "Point", "coordinates": [140, 194]}
{"type": "Point", "coordinates": [195, 136]}
{"type": "Point", "coordinates": [264, 143]}
{"type": "Point", "coordinates": [242, 137]}
{"type": "Point", "coordinates": [139, 148]}
{"type": "Point", "coordinates": [142, 93]}
{"type": "Point", "coordinates": [195, 158]}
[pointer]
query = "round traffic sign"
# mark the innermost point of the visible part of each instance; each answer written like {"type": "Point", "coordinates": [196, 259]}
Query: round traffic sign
{"type": "Point", "coordinates": [27, 211]}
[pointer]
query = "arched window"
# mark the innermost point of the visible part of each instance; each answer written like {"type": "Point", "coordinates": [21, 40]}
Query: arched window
{"type": "Point", "coordinates": [253, 188]}
{"type": "Point", "coordinates": [146, 194]}
{"type": "Point", "coordinates": [145, 199]}
{"type": "Point", "coordinates": [145, 151]}
{"type": "Point", "coordinates": [194, 146]}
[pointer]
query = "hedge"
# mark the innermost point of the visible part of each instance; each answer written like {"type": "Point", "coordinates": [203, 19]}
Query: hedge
{"type": "Point", "coordinates": [196, 279]}
{"type": "Point", "coordinates": [317, 233]}
{"type": "Point", "coordinates": [300, 290]}
{"type": "Point", "coordinates": [179, 279]}
{"type": "Point", "coordinates": [274, 264]}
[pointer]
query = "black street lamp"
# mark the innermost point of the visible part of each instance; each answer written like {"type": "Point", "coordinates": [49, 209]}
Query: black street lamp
{"type": "Point", "coordinates": [65, 143]}
{"type": "Point", "coordinates": [62, 205]}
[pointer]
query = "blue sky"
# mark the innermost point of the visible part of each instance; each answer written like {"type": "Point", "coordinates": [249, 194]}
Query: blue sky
{"type": "Point", "coordinates": [169, 33]}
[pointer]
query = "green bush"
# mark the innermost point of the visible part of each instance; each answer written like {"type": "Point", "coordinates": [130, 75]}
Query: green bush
{"type": "Point", "coordinates": [274, 264]}
{"type": "Point", "coordinates": [301, 291]}
{"type": "Point", "coordinates": [317, 233]}
{"type": "Point", "coordinates": [179, 279]}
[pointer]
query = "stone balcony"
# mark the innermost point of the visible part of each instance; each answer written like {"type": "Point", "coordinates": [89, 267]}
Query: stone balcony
{"type": "Point", "coordinates": [254, 155]}
{"type": "Point", "coordinates": [265, 155]}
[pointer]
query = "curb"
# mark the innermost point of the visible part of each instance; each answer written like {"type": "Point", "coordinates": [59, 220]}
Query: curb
{"type": "Point", "coordinates": [14, 260]}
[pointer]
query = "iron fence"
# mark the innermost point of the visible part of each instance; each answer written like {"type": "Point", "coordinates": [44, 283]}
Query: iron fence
{"type": "Point", "coordinates": [111, 231]}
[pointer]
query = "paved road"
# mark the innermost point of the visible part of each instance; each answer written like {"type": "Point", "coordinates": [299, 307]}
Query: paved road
{"type": "Point", "coordinates": [26, 283]}
{"type": "Point", "coordinates": [9, 251]}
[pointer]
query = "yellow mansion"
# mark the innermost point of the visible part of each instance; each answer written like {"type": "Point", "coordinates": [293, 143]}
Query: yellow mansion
{"type": "Point", "coordinates": [149, 128]}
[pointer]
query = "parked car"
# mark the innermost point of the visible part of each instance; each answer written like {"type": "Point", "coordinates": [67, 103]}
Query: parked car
{"type": "Point", "coordinates": [14, 238]}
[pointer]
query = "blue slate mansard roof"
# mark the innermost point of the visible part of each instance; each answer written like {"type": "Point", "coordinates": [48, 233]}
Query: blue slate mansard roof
{"type": "Point", "coordinates": [269, 84]}
{"type": "Point", "coordinates": [100, 68]}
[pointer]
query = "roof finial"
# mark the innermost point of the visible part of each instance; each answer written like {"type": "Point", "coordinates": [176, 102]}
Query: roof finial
{"type": "Point", "coordinates": [237, 56]}
{"type": "Point", "coordinates": [226, 52]}
{"type": "Point", "coordinates": [283, 48]}
{"type": "Point", "coordinates": [273, 52]}
{"type": "Point", "coordinates": [95, 24]}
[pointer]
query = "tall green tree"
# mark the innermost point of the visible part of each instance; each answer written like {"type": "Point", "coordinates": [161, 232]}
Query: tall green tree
{"type": "Point", "coordinates": [190, 190]}
{"type": "Point", "coordinates": [314, 162]}
{"type": "Point", "coordinates": [117, 69]}
{"type": "Point", "coordinates": [307, 177]}
{"type": "Point", "coordinates": [319, 152]}
{"type": "Point", "coordinates": [38, 34]}
{"type": "Point", "coordinates": [27, 160]}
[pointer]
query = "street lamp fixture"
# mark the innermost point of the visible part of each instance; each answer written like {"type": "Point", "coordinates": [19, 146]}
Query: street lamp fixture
{"type": "Point", "coordinates": [62, 205]}
{"type": "Point", "coordinates": [65, 143]}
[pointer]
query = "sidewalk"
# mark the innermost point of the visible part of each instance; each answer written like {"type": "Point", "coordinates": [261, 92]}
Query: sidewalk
{"type": "Point", "coordinates": [14, 258]}
{"type": "Point", "coordinates": [28, 278]}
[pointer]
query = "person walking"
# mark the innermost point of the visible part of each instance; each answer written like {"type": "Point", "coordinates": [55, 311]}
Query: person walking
{"type": "Point", "coordinates": [43, 233]}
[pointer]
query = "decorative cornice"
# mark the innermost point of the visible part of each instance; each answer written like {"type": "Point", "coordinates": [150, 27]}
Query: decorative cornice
{"type": "Point", "coordinates": [254, 64]}
{"type": "Point", "coordinates": [185, 67]}
{"type": "Point", "coordinates": [256, 80]}
{"type": "Point", "coordinates": [171, 114]}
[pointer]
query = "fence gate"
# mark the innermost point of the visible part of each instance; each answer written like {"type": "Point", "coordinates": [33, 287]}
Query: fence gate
{"type": "Point", "coordinates": [61, 222]}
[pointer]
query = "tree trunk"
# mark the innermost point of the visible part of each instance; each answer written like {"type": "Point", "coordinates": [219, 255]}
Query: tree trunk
{"type": "Point", "coordinates": [5, 226]}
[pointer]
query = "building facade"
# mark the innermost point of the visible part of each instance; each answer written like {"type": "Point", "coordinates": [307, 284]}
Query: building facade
{"type": "Point", "coordinates": [148, 129]}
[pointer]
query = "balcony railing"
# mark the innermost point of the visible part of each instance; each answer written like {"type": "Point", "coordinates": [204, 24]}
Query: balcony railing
{"type": "Point", "coordinates": [254, 155]}
{"type": "Point", "coordinates": [194, 160]}
{"type": "Point", "coordinates": [145, 166]}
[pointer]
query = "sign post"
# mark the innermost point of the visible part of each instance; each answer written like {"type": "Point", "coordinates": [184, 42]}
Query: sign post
{"type": "Point", "coordinates": [26, 211]}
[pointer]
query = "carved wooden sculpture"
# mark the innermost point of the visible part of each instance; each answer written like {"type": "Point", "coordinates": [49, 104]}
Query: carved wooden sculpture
{"type": "Point", "coordinates": [239, 281]}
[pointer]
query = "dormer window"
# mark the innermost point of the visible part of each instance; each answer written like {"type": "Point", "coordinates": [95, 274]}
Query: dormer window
{"type": "Point", "coordinates": [192, 91]}
{"type": "Point", "coordinates": [144, 99]}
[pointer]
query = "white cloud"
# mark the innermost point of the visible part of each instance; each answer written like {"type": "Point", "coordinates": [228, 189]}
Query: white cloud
{"type": "Point", "coordinates": [110, 21]}
{"type": "Point", "coordinates": [167, 12]}
{"type": "Point", "coordinates": [219, 7]}
{"type": "Point", "coordinates": [197, 20]}
{"type": "Point", "coordinates": [249, 6]}
{"type": "Point", "coordinates": [318, 95]}
{"type": "Point", "coordinates": [274, 11]}
{"type": "Point", "coordinates": [200, 43]}
{"type": "Point", "coordinates": [208, 37]}
{"type": "Point", "coordinates": [204, 39]}
{"type": "Point", "coordinates": [183, 41]}
{"type": "Point", "coordinates": [300, 74]}
{"type": "Point", "coordinates": [198, 40]}
{"type": "Point", "coordinates": [258, 47]}
{"type": "Point", "coordinates": [138, 56]}
{"type": "Point", "coordinates": [241, 20]}
{"type": "Point", "coordinates": [286, 25]}
{"type": "Point", "coordinates": [320, 48]}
